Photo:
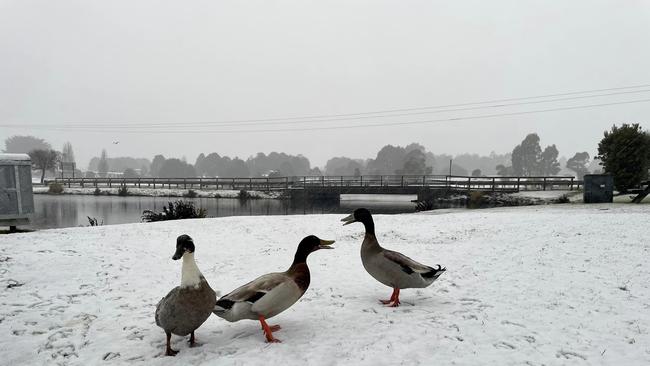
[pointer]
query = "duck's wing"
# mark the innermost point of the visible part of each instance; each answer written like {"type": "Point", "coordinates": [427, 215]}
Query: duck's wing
{"type": "Point", "coordinates": [254, 290]}
{"type": "Point", "coordinates": [408, 265]}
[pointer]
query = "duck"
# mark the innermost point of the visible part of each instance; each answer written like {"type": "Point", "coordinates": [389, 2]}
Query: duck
{"type": "Point", "coordinates": [273, 293]}
{"type": "Point", "coordinates": [391, 268]}
{"type": "Point", "coordinates": [188, 306]}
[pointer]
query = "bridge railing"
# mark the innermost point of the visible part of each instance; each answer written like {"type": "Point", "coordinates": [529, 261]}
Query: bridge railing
{"type": "Point", "coordinates": [265, 184]}
{"type": "Point", "coordinates": [494, 183]}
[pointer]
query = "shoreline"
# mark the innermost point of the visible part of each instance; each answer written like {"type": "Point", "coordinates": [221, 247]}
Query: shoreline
{"type": "Point", "coordinates": [160, 192]}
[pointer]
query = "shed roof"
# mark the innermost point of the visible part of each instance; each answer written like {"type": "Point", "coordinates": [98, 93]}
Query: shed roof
{"type": "Point", "coordinates": [15, 157]}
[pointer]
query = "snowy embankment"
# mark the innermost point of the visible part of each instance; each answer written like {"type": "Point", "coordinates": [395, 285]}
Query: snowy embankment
{"type": "Point", "coordinates": [559, 284]}
{"type": "Point", "coordinates": [161, 192]}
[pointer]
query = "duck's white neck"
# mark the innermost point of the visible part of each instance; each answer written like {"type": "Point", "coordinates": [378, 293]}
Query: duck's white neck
{"type": "Point", "coordinates": [190, 274]}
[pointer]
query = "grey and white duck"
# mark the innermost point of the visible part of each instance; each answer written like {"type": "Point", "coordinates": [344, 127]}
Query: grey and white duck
{"type": "Point", "coordinates": [391, 268]}
{"type": "Point", "coordinates": [273, 293]}
{"type": "Point", "coordinates": [189, 305]}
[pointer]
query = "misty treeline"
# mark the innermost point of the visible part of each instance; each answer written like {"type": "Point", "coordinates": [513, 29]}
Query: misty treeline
{"type": "Point", "coordinates": [527, 158]}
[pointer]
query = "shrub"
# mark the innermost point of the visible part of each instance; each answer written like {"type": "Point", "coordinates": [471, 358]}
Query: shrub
{"type": "Point", "coordinates": [123, 191]}
{"type": "Point", "coordinates": [56, 188]}
{"type": "Point", "coordinates": [563, 199]}
{"type": "Point", "coordinates": [93, 221]}
{"type": "Point", "coordinates": [190, 193]}
{"type": "Point", "coordinates": [476, 200]}
{"type": "Point", "coordinates": [244, 195]}
{"type": "Point", "coordinates": [175, 211]}
{"type": "Point", "coordinates": [97, 192]}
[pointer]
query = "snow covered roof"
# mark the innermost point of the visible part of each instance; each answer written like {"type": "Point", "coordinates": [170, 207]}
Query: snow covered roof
{"type": "Point", "coordinates": [20, 157]}
{"type": "Point", "coordinates": [14, 159]}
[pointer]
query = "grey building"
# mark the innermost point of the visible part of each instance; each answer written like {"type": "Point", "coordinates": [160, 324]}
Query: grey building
{"type": "Point", "coordinates": [16, 197]}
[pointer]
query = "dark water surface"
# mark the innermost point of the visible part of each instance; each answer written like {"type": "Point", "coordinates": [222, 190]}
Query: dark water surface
{"type": "Point", "coordinates": [73, 210]}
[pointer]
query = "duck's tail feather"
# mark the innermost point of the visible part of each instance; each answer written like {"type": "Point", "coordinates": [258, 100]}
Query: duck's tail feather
{"type": "Point", "coordinates": [434, 273]}
{"type": "Point", "coordinates": [222, 306]}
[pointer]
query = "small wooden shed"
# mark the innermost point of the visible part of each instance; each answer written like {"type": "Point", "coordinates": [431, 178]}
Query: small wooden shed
{"type": "Point", "coordinates": [599, 188]}
{"type": "Point", "coordinates": [16, 196]}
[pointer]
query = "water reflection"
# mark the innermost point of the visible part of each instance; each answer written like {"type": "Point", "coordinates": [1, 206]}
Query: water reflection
{"type": "Point", "coordinates": [74, 210]}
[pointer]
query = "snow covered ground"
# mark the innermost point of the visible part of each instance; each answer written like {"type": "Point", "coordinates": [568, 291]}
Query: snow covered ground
{"type": "Point", "coordinates": [160, 192]}
{"type": "Point", "coordinates": [553, 285]}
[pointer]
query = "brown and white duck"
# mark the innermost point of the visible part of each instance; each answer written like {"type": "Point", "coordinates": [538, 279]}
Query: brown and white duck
{"type": "Point", "coordinates": [273, 293]}
{"type": "Point", "coordinates": [189, 305]}
{"type": "Point", "coordinates": [391, 268]}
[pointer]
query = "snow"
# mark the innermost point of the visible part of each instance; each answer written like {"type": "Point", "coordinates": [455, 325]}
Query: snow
{"type": "Point", "coordinates": [160, 192]}
{"type": "Point", "coordinates": [14, 157]}
{"type": "Point", "coordinates": [554, 285]}
{"type": "Point", "coordinates": [550, 195]}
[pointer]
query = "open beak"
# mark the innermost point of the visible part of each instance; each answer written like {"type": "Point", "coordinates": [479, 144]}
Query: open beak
{"type": "Point", "coordinates": [325, 244]}
{"type": "Point", "coordinates": [348, 219]}
{"type": "Point", "coordinates": [179, 253]}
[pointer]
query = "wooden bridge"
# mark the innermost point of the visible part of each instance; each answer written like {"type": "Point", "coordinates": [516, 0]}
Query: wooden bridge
{"type": "Point", "coordinates": [329, 186]}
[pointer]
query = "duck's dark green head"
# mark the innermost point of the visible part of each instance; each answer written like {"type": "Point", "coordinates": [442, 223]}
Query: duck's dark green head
{"type": "Point", "coordinates": [313, 243]}
{"type": "Point", "coordinates": [184, 244]}
{"type": "Point", "coordinates": [308, 245]}
{"type": "Point", "coordinates": [359, 215]}
{"type": "Point", "coordinates": [363, 216]}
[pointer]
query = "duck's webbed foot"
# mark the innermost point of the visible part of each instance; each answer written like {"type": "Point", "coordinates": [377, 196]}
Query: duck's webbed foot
{"type": "Point", "coordinates": [394, 298]}
{"type": "Point", "coordinates": [169, 351]}
{"type": "Point", "coordinates": [192, 340]}
{"type": "Point", "coordinates": [268, 331]}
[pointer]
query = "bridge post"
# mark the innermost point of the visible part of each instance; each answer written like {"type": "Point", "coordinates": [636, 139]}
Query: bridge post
{"type": "Point", "coordinates": [493, 184]}
{"type": "Point", "coordinates": [110, 183]}
{"type": "Point", "coordinates": [139, 181]}
{"type": "Point", "coordinates": [544, 184]}
{"type": "Point", "coordinates": [381, 180]}
{"type": "Point", "coordinates": [185, 183]}
{"type": "Point", "coordinates": [518, 183]}
{"type": "Point", "coordinates": [154, 183]}
{"type": "Point", "coordinates": [469, 184]}
{"type": "Point", "coordinates": [82, 182]}
{"type": "Point", "coordinates": [571, 186]}
{"type": "Point", "coordinates": [361, 181]}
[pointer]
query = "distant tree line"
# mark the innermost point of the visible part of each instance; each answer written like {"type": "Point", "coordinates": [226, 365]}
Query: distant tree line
{"type": "Point", "coordinates": [623, 152]}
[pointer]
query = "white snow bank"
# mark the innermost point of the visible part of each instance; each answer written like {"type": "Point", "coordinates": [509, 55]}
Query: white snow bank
{"type": "Point", "coordinates": [549, 195]}
{"type": "Point", "coordinates": [160, 192]}
{"type": "Point", "coordinates": [561, 284]}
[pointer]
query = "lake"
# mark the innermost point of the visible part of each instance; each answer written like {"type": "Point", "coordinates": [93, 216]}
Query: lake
{"type": "Point", "coordinates": [73, 210]}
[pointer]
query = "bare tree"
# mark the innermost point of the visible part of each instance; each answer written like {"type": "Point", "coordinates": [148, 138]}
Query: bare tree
{"type": "Point", "coordinates": [44, 160]}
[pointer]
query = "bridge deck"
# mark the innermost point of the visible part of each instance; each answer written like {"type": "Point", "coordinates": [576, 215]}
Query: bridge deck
{"type": "Point", "coordinates": [388, 184]}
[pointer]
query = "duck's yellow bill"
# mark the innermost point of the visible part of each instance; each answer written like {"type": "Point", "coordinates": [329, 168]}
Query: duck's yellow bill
{"type": "Point", "coordinates": [325, 244]}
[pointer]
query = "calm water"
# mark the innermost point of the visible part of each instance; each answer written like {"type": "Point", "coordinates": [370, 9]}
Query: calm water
{"type": "Point", "coordinates": [73, 210]}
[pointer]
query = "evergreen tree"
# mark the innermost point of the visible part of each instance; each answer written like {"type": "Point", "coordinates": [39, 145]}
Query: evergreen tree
{"type": "Point", "coordinates": [625, 154]}
{"type": "Point", "coordinates": [102, 168]}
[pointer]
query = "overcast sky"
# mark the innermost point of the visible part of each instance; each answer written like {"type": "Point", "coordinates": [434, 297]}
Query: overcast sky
{"type": "Point", "coordinates": [110, 63]}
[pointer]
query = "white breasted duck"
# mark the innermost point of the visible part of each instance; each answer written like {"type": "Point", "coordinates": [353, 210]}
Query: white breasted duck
{"type": "Point", "coordinates": [391, 268]}
{"type": "Point", "coordinates": [187, 306]}
{"type": "Point", "coordinates": [273, 293]}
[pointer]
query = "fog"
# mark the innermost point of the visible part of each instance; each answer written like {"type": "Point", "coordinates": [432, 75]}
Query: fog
{"type": "Point", "coordinates": [97, 72]}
